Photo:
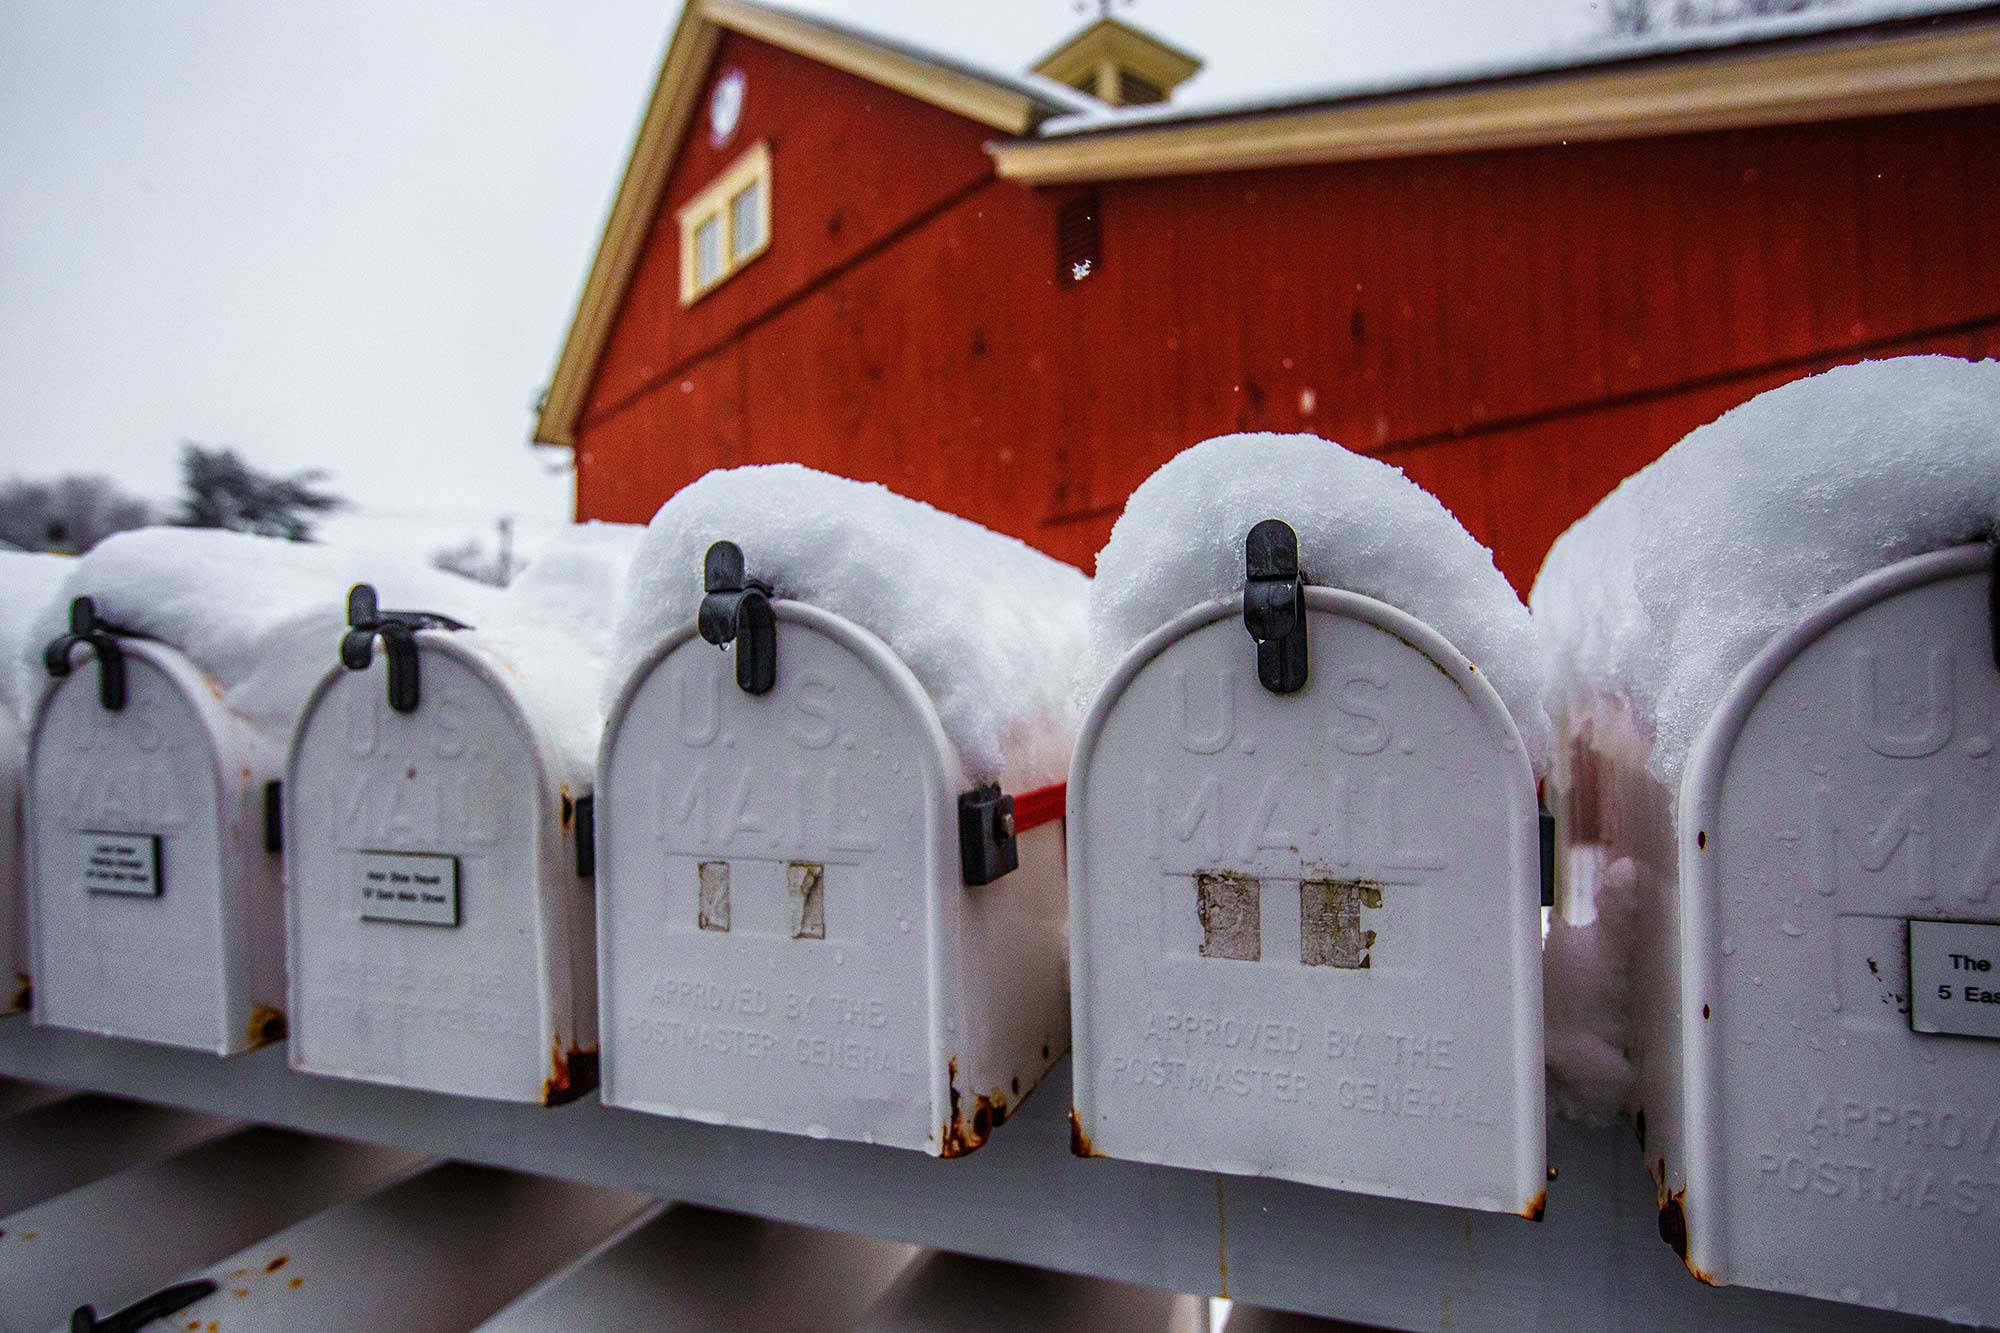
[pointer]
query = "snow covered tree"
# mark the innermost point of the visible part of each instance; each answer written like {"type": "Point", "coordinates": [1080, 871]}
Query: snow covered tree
{"type": "Point", "coordinates": [222, 491]}
{"type": "Point", "coordinates": [69, 514]}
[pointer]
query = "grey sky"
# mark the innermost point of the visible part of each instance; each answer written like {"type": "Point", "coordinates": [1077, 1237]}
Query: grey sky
{"type": "Point", "coordinates": [351, 236]}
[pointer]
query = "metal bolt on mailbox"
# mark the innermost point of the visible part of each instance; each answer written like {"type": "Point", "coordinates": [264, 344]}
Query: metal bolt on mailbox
{"type": "Point", "coordinates": [810, 919]}
{"type": "Point", "coordinates": [155, 898]}
{"type": "Point", "coordinates": [1304, 888]}
{"type": "Point", "coordinates": [438, 862]}
{"type": "Point", "coordinates": [1817, 989]}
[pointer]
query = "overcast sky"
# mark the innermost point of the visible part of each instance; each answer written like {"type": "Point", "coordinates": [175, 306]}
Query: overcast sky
{"type": "Point", "coordinates": [351, 236]}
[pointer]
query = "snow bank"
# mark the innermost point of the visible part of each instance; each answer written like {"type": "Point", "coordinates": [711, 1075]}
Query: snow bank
{"type": "Point", "coordinates": [551, 630]}
{"type": "Point", "coordinates": [28, 585]}
{"type": "Point", "coordinates": [991, 628]}
{"type": "Point", "coordinates": [1362, 526]}
{"type": "Point", "coordinates": [1665, 590]}
{"type": "Point", "coordinates": [261, 617]}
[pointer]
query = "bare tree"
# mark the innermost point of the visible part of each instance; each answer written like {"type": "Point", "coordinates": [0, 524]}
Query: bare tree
{"type": "Point", "coordinates": [222, 491]}
{"type": "Point", "coordinates": [1639, 18]}
{"type": "Point", "coordinates": [468, 558]}
{"type": "Point", "coordinates": [69, 514]}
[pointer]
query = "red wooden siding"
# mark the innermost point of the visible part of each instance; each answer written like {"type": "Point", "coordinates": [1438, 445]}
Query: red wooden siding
{"type": "Point", "coordinates": [1519, 330]}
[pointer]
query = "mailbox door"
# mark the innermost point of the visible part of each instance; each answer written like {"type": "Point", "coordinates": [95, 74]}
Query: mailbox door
{"type": "Point", "coordinates": [1306, 927]}
{"type": "Point", "coordinates": [14, 966]}
{"type": "Point", "coordinates": [427, 909]}
{"type": "Point", "coordinates": [1846, 788]}
{"type": "Point", "coordinates": [141, 913]}
{"type": "Point", "coordinates": [769, 889]}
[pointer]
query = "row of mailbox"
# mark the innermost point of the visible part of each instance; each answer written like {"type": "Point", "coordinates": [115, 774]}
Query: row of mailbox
{"type": "Point", "coordinates": [1294, 930]}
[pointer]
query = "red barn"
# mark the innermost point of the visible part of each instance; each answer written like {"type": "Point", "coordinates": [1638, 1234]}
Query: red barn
{"type": "Point", "coordinates": [832, 248]}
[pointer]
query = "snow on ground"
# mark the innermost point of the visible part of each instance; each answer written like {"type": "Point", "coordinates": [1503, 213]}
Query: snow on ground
{"type": "Point", "coordinates": [1362, 526]}
{"type": "Point", "coordinates": [552, 628]}
{"type": "Point", "coordinates": [28, 585]}
{"type": "Point", "coordinates": [1656, 599]}
{"type": "Point", "coordinates": [261, 617]}
{"type": "Point", "coordinates": [1665, 590]}
{"type": "Point", "coordinates": [991, 628]}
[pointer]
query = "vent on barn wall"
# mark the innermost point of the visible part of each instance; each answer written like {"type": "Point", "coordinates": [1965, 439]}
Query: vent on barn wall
{"type": "Point", "coordinates": [1118, 64]}
{"type": "Point", "coordinates": [1077, 240]}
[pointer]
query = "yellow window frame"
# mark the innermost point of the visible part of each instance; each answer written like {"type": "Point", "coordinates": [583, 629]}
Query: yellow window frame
{"type": "Point", "coordinates": [716, 203]}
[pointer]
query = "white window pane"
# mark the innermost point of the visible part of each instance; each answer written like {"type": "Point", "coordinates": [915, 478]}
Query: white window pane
{"type": "Point", "coordinates": [746, 220]}
{"type": "Point", "coordinates": [708, 251]}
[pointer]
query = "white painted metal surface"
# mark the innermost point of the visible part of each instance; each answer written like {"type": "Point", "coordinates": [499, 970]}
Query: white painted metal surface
{"type": "Point", "coordinates": [950, 1293]}
{"type": "Point", "coordinates": [440, 936]}
{"type": "Point", "coordinates": [787, 939]}
{"type": "Point", "coordinates": [681, 1267]}
{"type": "Point", "coordinates": [1595, 1261]}
{"type": "Point", "coordinates": [156, 911]}
{"type": "Point", "coordinates": [1306, 927]}
{"type": "Point", "coordinates": [1804, 1138]}
{"type": "Point", "coordinates": [14, 964]}
{"type": "Point", "coordinates": [439, 1250]}
{"type": "Point", "coordinates": [56, 1148]}
{"type": "Point", "coordinates": [121, 1238]}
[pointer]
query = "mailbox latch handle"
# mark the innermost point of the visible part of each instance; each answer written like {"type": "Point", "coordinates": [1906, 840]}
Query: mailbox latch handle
{"type": "Point", "coordinates": [398, 632]}
{"type": "Point", "coordinates": [586, 837]}
{"type": "Point", "coordinates": [737, 609]}
{"type": "Point", "coordinates": [137, 1315]}
{"type": "Point", "coordinates": [986, 835]}
{"type": "Point", "coordinates": [1546, 824]}
{"type": "Point", "coordinates": [1274, 605]}
{"type": "Point", "coordinates": [100, 636]}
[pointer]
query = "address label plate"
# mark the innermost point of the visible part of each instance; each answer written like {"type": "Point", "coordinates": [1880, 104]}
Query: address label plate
{"type": "Point", "coordinates": [415, 888]}
{"type": "Point", "coordinates": [1955, 978]}
{"type": "Point", "coordinates": [121, 863]}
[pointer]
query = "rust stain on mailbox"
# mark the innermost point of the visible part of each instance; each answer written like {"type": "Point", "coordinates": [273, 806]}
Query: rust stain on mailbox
{"type": "Point", "coordinates": [571, 1074]}
{"type": "Point", "coordinates": [266, 1025]}
{"type": "Point", "coordinates": [989, 1112]}
{"type": "Point", "coordinates": [568, 808]}
{"type": "Point", "coordinates": [277, 1263]}
{"type": "Point", "coordinates": [1536, 1206]}
{"type": "Point", "coordinates": [24, 991]}
{"type": "Point", "coordinates": [1079, 1140]}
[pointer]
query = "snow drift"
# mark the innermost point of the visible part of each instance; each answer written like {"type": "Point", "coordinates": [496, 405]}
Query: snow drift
{"type": "Point", "coordinates": [991, 628]}
{"type": "Point", "coordinates": [1362, 526]}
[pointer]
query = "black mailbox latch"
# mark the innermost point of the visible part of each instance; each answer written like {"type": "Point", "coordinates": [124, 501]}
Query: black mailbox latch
{"type": "Point", "coordinates": [159, 1305]}
{"type": "Point", "coordinates": [1547, 824]}
{"type": "Point", "coordinates": [986, 845]}
{"type": "Point", "coordinates": [398, 632]}
{"type": "Point", "coordinates": [586, 837]}
{"type": "Point", "coordinates": [101, 637]}
{"type": "Point", "coordinates": [1274, 605]}
{"type": "Point", "coordinates": [737, 609]}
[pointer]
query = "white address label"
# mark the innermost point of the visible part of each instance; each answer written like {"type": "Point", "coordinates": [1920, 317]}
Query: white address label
{"type": "Point", "coordinates": [420, 888]}
{"type": "Point", "coordinates": [1955, 978]}
{"type": "Point", "coordinates": [127, 863]}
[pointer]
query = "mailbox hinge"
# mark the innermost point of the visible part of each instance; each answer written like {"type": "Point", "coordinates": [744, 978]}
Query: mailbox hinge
{"type": "Point", "coordinates": [101, 636]}
{"type": "Point", "coordinates": [586, 837]}
{"type": "Point", "coordinates": [137, 1315]}
{"type": "Point", "coordinates": [398, 632]}
{"type": "Point", "coordinates": [737, 610]}
{"type": "Point", "coordinates": [986, 846]}
{"type": "Point", "coordinates": [274, 817]}
{"type": "Point", "coordinates": [1547, 824]}
{"type": "Point", "coordinates": [1274, 605]}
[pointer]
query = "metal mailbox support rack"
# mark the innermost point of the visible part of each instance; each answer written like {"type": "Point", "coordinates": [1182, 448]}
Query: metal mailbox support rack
{"type": "Point", "coordinates": [1595, 1260]}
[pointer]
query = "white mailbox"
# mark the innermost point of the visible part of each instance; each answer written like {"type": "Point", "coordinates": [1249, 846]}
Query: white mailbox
{"type": "Point", "coordinates": [1818, 980]}
{"type": "Point", "coordinates": [811, 919]}
{"type": "Point", "coordinates": [156, 904]}
{"type": "Point", "coordinates": [1304, 888]}
{"type": "Point", "coordinates": [438, 870]}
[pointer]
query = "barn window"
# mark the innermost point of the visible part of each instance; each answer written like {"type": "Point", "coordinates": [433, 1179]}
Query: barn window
{"type": "Point", "coordinates": [1076, 240]}
{"type": "Point", "coordinates": [727, 225]}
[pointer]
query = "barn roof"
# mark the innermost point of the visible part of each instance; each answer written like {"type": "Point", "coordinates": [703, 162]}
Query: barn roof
{"type": "Point", "coordinates": [1054, 134]}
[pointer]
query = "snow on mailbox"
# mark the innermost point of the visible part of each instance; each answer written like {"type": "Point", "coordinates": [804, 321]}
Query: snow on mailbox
{"type": "Point", "coordinates": [1306, 853]}
{"type": "Point", "coordinates": [28, 583]}
{"type": "Point", "coordinates": [831, 880]}
{"type": "Point", "coordinates": [439, 865]}
{"type": "Point", "coordinates": [151, 794]}
{"type": "Point", "coordinates": [1773, 670]}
